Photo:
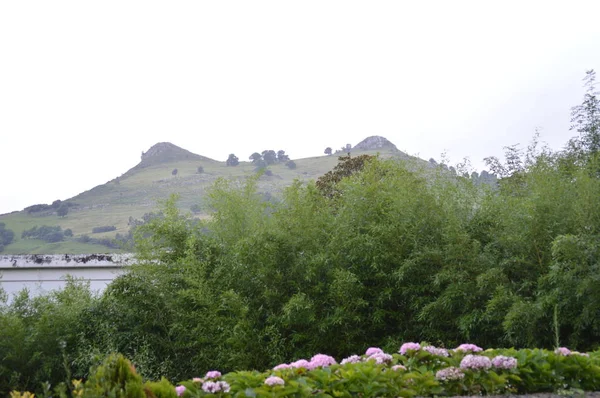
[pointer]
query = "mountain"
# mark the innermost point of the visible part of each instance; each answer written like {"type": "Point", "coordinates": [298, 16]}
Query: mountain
{"type": "Point", "coordinates": [164, 169]}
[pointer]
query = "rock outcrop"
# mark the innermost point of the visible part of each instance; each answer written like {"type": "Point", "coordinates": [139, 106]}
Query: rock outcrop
{"type": "Point", "coordinates": [374, 142]}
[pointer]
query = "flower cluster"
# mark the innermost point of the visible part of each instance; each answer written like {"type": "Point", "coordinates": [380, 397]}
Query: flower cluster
{"type": "Point", "coordinates": [301, 363]}
{"type": "Point", "coordinates": [180, 390]}
{"type": "Point", "coordinates": [502, 362]}
{"type": "Point", "coordinates": [475, 362]}
{"type": "Point", "coordinates": [351, 359]}
{"type": "Point", "coordinates": [380, 357]}
{"type": "Point", "coordinates": [449, 374]}
{"type": "Point", "coordinates": [274, 381]}
{"type": "Point", "coordinates": [440, 352]}
{"type": "Point", "coordinates": [409, 346]}
{"type": "Point", "coordinates": [213, 374]}
{"type": "Point", "coordinates": [373, 350]}
{"type": "Point", "coordinates": [320, 360]}
{"type": "Point", "coordinates": [564, 351]}
{"type": "Point", "coordinates": [214, 387]}
{"type": "Point", "coordinates": [468, 348]}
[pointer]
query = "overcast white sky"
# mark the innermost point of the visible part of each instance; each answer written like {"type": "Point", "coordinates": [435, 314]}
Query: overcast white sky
{"type": "Point", "coordinates": [86, 86]}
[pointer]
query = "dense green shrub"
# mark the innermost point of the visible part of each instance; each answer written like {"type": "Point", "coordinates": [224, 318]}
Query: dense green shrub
{"type": "Point", "coordinates": [46, 233]}
{"type": "Point", "coordinates": [106, 228]}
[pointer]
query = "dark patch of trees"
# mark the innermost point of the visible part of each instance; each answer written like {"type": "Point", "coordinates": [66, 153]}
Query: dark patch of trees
{"type": "Point", "coordinates": [53, 207]}
{"type": "Point", "coordinates": [46, 233]}
{"type": "Point", "coordinates": [105, 228]}
{"type": "Point", "coordinates": [6, 236]}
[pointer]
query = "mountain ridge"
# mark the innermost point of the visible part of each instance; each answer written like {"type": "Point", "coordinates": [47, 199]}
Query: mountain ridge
{"type": "Point", "coordinates": [164, 169]}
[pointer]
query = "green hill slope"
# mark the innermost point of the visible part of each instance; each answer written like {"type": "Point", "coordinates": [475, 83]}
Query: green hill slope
{"type": "Point", "coordinates": [139, 190]}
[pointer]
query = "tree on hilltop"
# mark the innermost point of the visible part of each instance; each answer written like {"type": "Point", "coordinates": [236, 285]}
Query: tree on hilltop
{"type": "Point", "coordinates": [232, 160]}
{"type": "Point", "coordinates": [269, 156]}
{"type": "Point", "coordinates": [255, 157]}
{"type": "Point", "coordinates": [282, 157]}
{"type": "Point", "coordinates": [328, 151]}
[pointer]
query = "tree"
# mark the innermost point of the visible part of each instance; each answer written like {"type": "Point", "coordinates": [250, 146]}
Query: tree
{"type": "Point", "coordinates": [585, 118]}
{"type": "Point", "coordinates": [346, 167]}
{"type": "Point", "coordinates": [290, 164]}
{"type": "Point", "coordinates": [232, 160]}
{"type": "Point", "coordinates": [200, 170]}
{"type": "Point", "coordinates": [174, 172]}
{"type": "Point", "coordinates": [328, 150]}
{"type": "Point", "coordinates": [282, 157]}
{"type": "Point", "coordinates": [6, 235]}
{"type": "Point", "coordinates": [255, 157]}
{"type": "Point", "coordinates": [62, 210]}
{"type": "Point", "coordinates": [269, 156]}
{"type": "Point", "coordinates": [68, 232]}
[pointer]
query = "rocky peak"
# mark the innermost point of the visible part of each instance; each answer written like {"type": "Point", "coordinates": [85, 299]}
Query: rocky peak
{"type": "Point", "coordinates": [374, 142]}
{"type": "Point", "coordinates": [165, 152]}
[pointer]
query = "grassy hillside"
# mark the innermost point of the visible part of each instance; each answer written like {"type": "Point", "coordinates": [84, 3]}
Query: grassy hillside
{"type": "Point", "coordinates": [139, 190]}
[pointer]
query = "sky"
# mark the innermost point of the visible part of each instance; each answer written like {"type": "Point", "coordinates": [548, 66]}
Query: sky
{"type": "Point", "coordinates": [85, 86]}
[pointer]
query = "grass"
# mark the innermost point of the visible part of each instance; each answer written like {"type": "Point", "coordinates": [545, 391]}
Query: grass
{"type": "Point", "coordinates": [139, 191]}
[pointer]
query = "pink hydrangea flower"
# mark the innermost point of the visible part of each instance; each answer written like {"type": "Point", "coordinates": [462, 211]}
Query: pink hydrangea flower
{"type": "Point", "coordinates": [301, 363]}
{"type": "Point", "coordinates": [351, 359]}
{"type": "Point", "coordinates": [440, 352]}
{"type": "Point", "coordinates": [398, 367]}
{"type": "Point", "coordinates": [380, 357]}
{"type": "Point", "coordinates": [321, 360]}
{"type": "Point", "coordinates": [180, 390]}
{"type": "Point", "coordinates": [475, 362]}
{"type": "Point", "coordinates": [213, 374]}
{"type": "Point", "coordinates": [282, 366]}
{"type": "Point", "coordinates": [502, 362]}
{"type": "Point", "coordinates": [409, 346]}
{"type": "Point", "coordinates": [564, 351]}
{"type": "Point", "coordinates": [274, 381]}
{"type": "Point", "coordinates": [448, 374]}
{"type": "Point", "coordinates": [468, 348]}
{"type": "Point", "coordinates": [373, 350]}
{"type": "Point", "coordinates": [213, 387]}
{"type": "Point", "coordinates": [197, 380]}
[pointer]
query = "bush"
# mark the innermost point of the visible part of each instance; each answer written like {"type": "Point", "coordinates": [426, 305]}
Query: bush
{"type": "Point", "coordinates": [68, 232]}
{"type": "Point", "coordinates": [174, 172]}
{"type": "Point", "coordinates": [106, 228]}
{"type": "Point", "coordinates": [6, 235]}
{"type": "Point", "coordinates": [290, 164]}
{"type": "Point", "coordinates": [46, 233]}
{"type": "Point", "coordinates": [200, 170]}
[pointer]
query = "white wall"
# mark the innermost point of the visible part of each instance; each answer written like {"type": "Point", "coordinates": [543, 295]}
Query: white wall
{"type": "Point", "coordinates": [40, 273]}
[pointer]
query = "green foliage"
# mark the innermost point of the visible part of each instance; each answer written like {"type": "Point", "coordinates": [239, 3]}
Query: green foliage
{"type": "Point", "coordinates": [62, 210]}
{"type": "Point", "coordinates": [6, 236]}
{"type": "Point", "coordinates": [346, 166]}
{"type": "Point", "coordinates": [40, 335]}
{"type": "Point", "coordinates": [45, 233]}
{"type": "Point", "coordinates": [115, 377]}
{"type": "Point", "coordinates": [160, 389]}
{"type": "Point", "coordinates": [105, 228]}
